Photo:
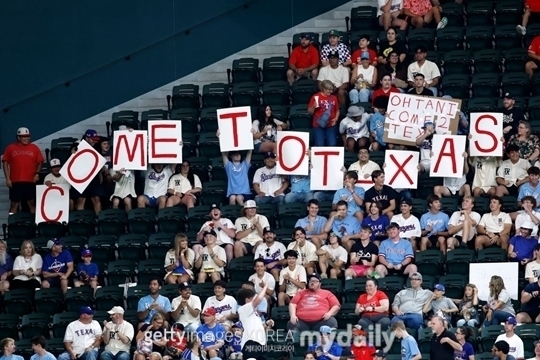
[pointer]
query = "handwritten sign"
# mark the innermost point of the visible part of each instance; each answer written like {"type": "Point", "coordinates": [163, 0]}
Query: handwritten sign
{"type": "Point", "coordinates": [401, 171]}
{"type": "Point", "coordinates": [82, 167]}
{"type": "Point", "coordinates": [235, 129]}
{"type": "Point", "coordinates": [52, 203]}
{"type": "Point", "coordinates": [326, 173]}
{"type": "Point", "coordinates": [480, 275]}
{"type": "Point", "coordinates": [486, 133]}
{"type": "Point", "coordinates": [164, 142]}
{"type": "Point", "coordinates": [130, 150]}
{"type": "Point", "coordinates": [447, 160]}
{"type": "Point", "coordinates": [292, 147]}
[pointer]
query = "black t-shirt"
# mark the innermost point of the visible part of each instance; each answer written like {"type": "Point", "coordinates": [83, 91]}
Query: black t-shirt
{"type": "Point", "coordinates": [161, 331]}
{"type": "Point", "coordinates": [511, 118]}
{"type": "Point", "coordinates": [384, 196]}
{"type": "Point", "coordinates": [385, 48]}
{"type": "Point", "coordinates": [442, 351]}
{"type": "Point", "coordinates": [364, 252]}
{"type": "Point", "coordinates": [425, 92]}
{"type": "Point", "coordinates": [534, 304]}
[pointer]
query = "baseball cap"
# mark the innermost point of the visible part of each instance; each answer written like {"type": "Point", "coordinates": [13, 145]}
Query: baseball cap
{"type": "Point", "coordinates": [439, 287]}
{"type": "Point", "coordinates": [269, 154]}
{"type": "Point", "coordinates": [509, 96]}
{"type": "Point", "coordinates": [55, 162]}
{"type": "Point", "coordinates": [210, 232]}
{"type": "Point", "coordinates": [184, 285]}
{"type": "Point", "coordinates": [92, 134]}
{"type": "Point", "coordinates": [86, 253]}
{"type": "Point", "coordinates": [392, 225]}
{"type": "Point", "coordinates": [306, 36]}
{"type": "Point", "coordinates": [364, 55]}
{"type": "Point", "coordinates": [116, 310]}
{"type": "Point", "coordinates": [250, 204]}
{"type": "Point", "coordinates": [86, 310]}
{"type": "Point", "coordinates": [214, 206]}
{"type": "Point", "coordinates": [334, 33]}
{"type": "Point", "coordinates": [511, 320]}
{"type": "Point", "coordinates": [333, 54]}
{"type": "Point", "coordinates": [210, 312]}
{"type": "Point", "coordinates": [379, 353]}
{"type": "Point", "coordinates": [417, 275]}
{"type": "Point", "coordinates": [406, 201]}
{"type": "Point", "coordinates": [268, 229]}
{"type": "Point", "coordinates": [317, 276]}
{"type": "Point", "coordinates": [427, 123]}
{"type": "Point", "coordinates": [238, 325]}
{"type": "Point", "coordinates": [325, 329]}
{"type": "Point", "coordinates": [22, 131]}
{"type": "Point", "coordinates": [53, 242]}
{"type": "Point", "coordinates": [527, 225]}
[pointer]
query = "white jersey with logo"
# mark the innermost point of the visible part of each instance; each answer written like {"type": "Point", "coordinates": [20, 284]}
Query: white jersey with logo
{"type": "Point", "coordinates": [409, 227]}
{"type": "Point", "coordinates": [57, 180]}
{"type": "Point", "coordinates": [208, 263]}
{"type": "Point", "coordinates": [267, 278]}
{"type": "Point", "coordinates": [523, 217]}
{"type": "Point", "coordinates": [270, 253]}
{"type": "Point", "coordinates": [485, 172]}
{"type": "Point", "coordinates": [222, 237]}
{"type": "Point", "coordinates": [155, 184]}
{"type": "Point", "coordinates": [298, 274]}
{"type": "Point", "coordinates": [495, 223]}
{"type": "Point", "coordinates": [532, 271]}
{"type": "Point", "coordinates": [226, 306]}
{"type": "Point", "coordinates": [339, 253]}
{"type": "Point", "coordinates": [243, 223]}
{"type": "Point", "coordinates": [513, 172]}
{"type": "Point", "coordinates": [82, 336]}
{"type": "Point", "coordinates": [268, 180]}
{"type": "Point", "coordinates": [457, 219]}
{"type": "Point", "coordinates": [516, 345]}
{"type": "Point", "coordinates": [185, 317]}
{"type": "Point", "coordinates": [116, 345]}
{"type": "Point", "coordinates": [306, 253]}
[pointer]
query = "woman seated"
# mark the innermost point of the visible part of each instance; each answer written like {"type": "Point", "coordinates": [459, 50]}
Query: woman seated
{"type": "Point", "coordinates": [529, 144]}
{"type": "Point", "coordinates": [179, 261]}
{"type": "Point", "coordinates": [265, 129]}
{"type": "Point", "coordinates": [373, 307]}
{"type": "Point", "coordinates": [184, 187]}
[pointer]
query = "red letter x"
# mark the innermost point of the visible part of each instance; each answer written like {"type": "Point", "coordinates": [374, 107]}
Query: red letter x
{"type": "Point", "coordinates": [234, 117]}
{"type": "Point", "coordinates": [400, 169]}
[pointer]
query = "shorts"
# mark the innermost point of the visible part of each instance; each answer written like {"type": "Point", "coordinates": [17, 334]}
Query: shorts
{"type": "Point", "coordinates": [95, 188]}
{"type": "Point", "coordinates": [152, 201]}
{"type": "Point", "coordinates": [512, 190]}
{"type": "Point", "coordinates": [22, 191]}
{"type": "Point", "coordinates": [249, 247]}
{"type": "Point", "coordinates": [397, 272]}
{"type": "Point", "coordinates": [533, 314]}
{"type": "Point", "coordinates": [360, 270]}
{"type": "Point", "coordinates": [225, 245]}
{"type": "Point", "coordinates": [257, 147]}
{"type": "Point", "coordinates": [245, 196]}
{"type": "Point", "coordinates": [425, 164]}
{"type": "Point", "coordinates": [74, 194]}
{"type": "Point", "coordinates": [54, 282]}
{"type": "Point", "coordinates": [434, 240]}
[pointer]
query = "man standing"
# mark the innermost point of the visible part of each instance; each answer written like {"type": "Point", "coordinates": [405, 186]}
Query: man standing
{"type": "Point", "coordinates": [117, 336]}
{"type": "Point", "coordinates": [443, 342]}
{"type": "Point", "coordinates": [82, 338]}
{"type": "Point", "coordinates": [22, 163]}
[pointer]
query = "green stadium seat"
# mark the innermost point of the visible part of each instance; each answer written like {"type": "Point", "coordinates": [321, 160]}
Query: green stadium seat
{"type": "Point", "coordinates": [268, 210]}
{"type": "Point", "coordinates": [534, 108]}
{"type": "Point", "coordinates": [529, 334]}
{"type": "Point", "coordinates": [391, 285]}
{"type": "Point", "coordinates": [280, 315]}
{"type": "Point", "coordinates": [449, 204]}
{"type": "Point", "coordinates": [245, 94]}
{"type": "Point", "coordinates": [216, 95]}
{"type": "Point", "coordinates": [457, 62]}
{"type": "Point", "coordinates": [510, 204]}
{"type": "Point", "coordinates": [132, 247]}
{"type": "Point", "coordinates": [40, 244]}
{"type": "Point", "coordinates": [302, 91]}
{"type": "Point", "coordinates": [148, 269]}
{"type": "Point", "coordinates": [189, 118]}
{"type": "Point", "coordinates": [434, 56]}
{"type": "Point", "coordinates": [450, 38]}
{"type": "Point", "coordinates": [345, 314]}
{"type": "Point", "coordinates": [485, 85]}
{"type": "Point", "coordinates": [516, 84]}
{"type": "Point", "coordinates": [535, 85]}
{"type": "Point", "coordinates": [120, 272]}
{"type": "Point", "coordinates": [102, 247]}
{"type": "Point", "coordinates": [533, 30]}
{"type": "Point", "coordinates": [151, 115]}
{"type": "Point", "coordinates": [51, 229]}
{"type": "Point", "coordinates": [134, 293]}
{"type": "Point", "coordinates": [514, 60]}
{"type": "Point", "coordinates": [197, 216]}
{"type": "Point", "coordinates": [457, 86]}
{"type": "Point", "coordinates": [353, 289]}
{"type": "Point", "coordinates": [208, 120]}
{"type": "Point", "coordinates": [159, 244]}
{"type": "Point", "coordinates": [128, 118]}
{"type": "Point", "coordinates": [481, 205]}
{"type": "Point", "coordinates": [171, 220]}
{"type": "Point", "coordinates": [506, 37]}
{"type": "Point", "coordinates": [218, 171]}
{"type": "Point", "coordinates": [141, 221]}
{"type": "Point", "coordinates": [79, 297]}
{"type": "Point", "coordinates": [290, 213]}
{"type": "Point", "coordinates": [245, 70]}
{"type": "Point", "coordinates": [46, 300]}
{"type": "Point", "coordinates": [111, 222]}
{"type": "Point", "coordinates": [296, 39]}
{"type": "Point", "coordinates": [21, 225]}
{"type": "Point", "coordinates": [487, 61]}
{"type": "Point", "coordinates": [275, 69]}
{"type": "Point", "coordinates": [325, 208]}
{"type": "Point", "coordinates": [61, 148]}
{"type": "Point", "coordinates": [508, 12]}
{"type": "Point", "coordinates": [56, 346]}
{"type": "Point", "coordinates": [101, 315]}
{"type": "Point", "coordinates": [429, 262]}
{"type": "Point", "coordinates": [276, 93]}
{"type": "Point", "coordinates": [209, 145]}
{"type": "Point", "coordinates": [231, 212]}
{"type": "Point", "coordinates": [185, 96]}
{"type": "Point", "coordinates": [343, 38]}
{"type": "Point", "coordinates": [362, 17]}
{"type": "Point", "coordinates": [24, 349]}
{"type": "Point", "coordinates": [333, 285]}
{"type": "Point", "coordinates": [479, 104]}
{"type": "Point", "coordinates": [233, 287]}
{"type": "Point", "coordinates": [492, 254]}
{"type": "Point", "coordinates": [109, 296]}
{"type": "Point", "coordinates": [61, 321]}
{"type": "Point", "coordinates": [241, 268]}
{"type": "Point", "coordinates": [284, 235]}
{"type": "Point", "coordinates": [280, 112]}
{"type": "Point", "coordinates": [35, 324]}
{"type": "Point", "coordinates": [454, 284]}
{"type": "Point", "coordinates": [299, 118]}
{"type": "Point", "coordinates": [421, 37]}
{"type": "Point", "coordinates": [479, 13]}
{"type": "Point", "coordinates": [488, 336]}
{"type": "Point", "coordinates": [204, 291]}
{"type": "Point", "coordinates": [424, 340]}
{"type": "Point", "coordinates": [73, 243]}
{"type": "Point", "coordinates": [214, 192]}
{"type": "Point", "coordinates": [479, 37]}
{"type": "Point", "coordinates": [9, 326]}
{"type": "Point", "coordinates": [454, 13]}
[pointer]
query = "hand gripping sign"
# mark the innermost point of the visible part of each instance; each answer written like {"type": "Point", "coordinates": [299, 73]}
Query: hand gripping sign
{"type": "Point", "coordinates": [165, 142]}
{"type": "Point", "coordinates": [447, 159]}
{"type": "Point", "coordinates": [401, 169]}
{"type": "Point", "coordinates": [52, 203]}
{"type": "Point", "coordinates": [485, 134]}
{"type": "Point", "coordinates": [235, 129]}
{"type": "Point", "coordinates": [130, 150]}
{"type": "Point", "coordinates": [82, 167]}
{"type": "Point", "coordinates": [326, 172]}
{"type": "Point", "coordinates": [292, 147]}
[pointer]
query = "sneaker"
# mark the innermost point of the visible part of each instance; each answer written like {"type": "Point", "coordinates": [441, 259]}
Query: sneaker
{"type": "Point", "coordinates": [442, 23]}
{"type": "Point", "coordinates": [521, 30]}
{"type": "Point", "coordinates": [348, 278]}
{"type": "Point", "coordinates": [324, 276]}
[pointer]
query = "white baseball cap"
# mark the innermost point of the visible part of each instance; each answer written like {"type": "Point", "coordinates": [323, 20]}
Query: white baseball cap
{"type": "Point", "coordinates": [527, 225]}
{"type": "Point", "coordinates": [116, 310]}
{"type": "Point", "coordinates": [250, 204]}
{"type": "Point", "coordinates": [55, 162]}
{"type": "Point", "coordinates": [22, 131]}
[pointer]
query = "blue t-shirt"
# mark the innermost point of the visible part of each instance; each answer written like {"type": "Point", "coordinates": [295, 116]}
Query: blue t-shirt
{"type": "Point", "coordinates": [47, 356]}
{"type": "Point", "coordinates": [210, 336]}
{"type": "Point", "coordinates": [409, 348]}
{"type": "Point", "coordinates": [376, 124]}
{"type": "Point", "coordinates": [12, 357]}
{"type": "Point", "coordinates": [237, 174]}
{"type": "Point", "coordinates": [349, 225]}
{"type": "Point", "coordinates": [523, 247]}
{"type": "Point", "coordinates": [300, 183]}
{"type": "Point", "coordinates": [318, 225]}
{"type": "Point", "coordinates": [533, 304]}
{"type": "Point", "coordinates": [438, 222]}
{"type": "Point", "coordinates": [378, 227]}
{"type": "Point", "coordinates": [527, 190]}
{"type": "Point", "coordinates": [345, 194]}
{"type": "Point", "coordinates": [90, 269]}
{"type": "Point", "coordinates": [146, 301]}
{"type": "Point", "coordinates": [57, 264]}
{"type": "Point", "coordinates": [396, 253]}
{"type": "Point", "coordinates": [465, 353]}
{"type": "Point", "coordinates": [8, 266]}
{"type": "Point", "coordinates": [236, 343]}
{"type": "Point", "coordinates": [335, 350]}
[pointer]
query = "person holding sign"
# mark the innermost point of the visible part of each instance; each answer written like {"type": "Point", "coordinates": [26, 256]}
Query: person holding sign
{"type": "Point", "coordinates": [55, 178]}
{"type": "Point", "coordinates": [324, 107]}
{"type": "Point", "coordinates": [265, 128]}
{"type": "Point", "coordinates": [453, 186]}
{"type": "Point", "coordinates": [494, 227]}
{"type": "Point", "coordinates": [124, 188]}
{"type": "Point", "coordinates": [184, 187]}
{"type": "Point", "coordinates": [425, 144]}
{"type": "Point", "coordinates": [512, 173]}
{"type": "Point", "coordinates": [238, 189]}
{"type": "Point", "coordinates": [484, 176]}
{"type": "Point", "coordinates": [376, 123]}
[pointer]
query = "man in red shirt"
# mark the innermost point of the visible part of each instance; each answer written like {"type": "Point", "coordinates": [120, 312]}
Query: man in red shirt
{"type": "Point", "coordinates": [313, 307]}
{"type": "Point", "coordinates": [534, 57]}
{"type": "Point", "coordinates": [531, 13]}
{"type": "Point", "coordinates": [304, 60]}
{"type": "Point", "coordinates": [363, 44]}
{"type": "Point", "coordinates": [22, 163]}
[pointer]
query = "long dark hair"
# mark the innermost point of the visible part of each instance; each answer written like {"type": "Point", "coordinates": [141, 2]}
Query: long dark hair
{"type": "Point", "coordinates": [190, 175]}
{"type": "Point", "coordinates": [261, 116]}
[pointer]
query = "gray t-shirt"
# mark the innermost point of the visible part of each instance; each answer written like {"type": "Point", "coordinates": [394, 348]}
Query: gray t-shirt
{"type": "Point", "coordinates": [443, 303]}
{"type": "Point", "coordinates": [411, 301]}
{"type": "Point", "coordinates": [505, 298]}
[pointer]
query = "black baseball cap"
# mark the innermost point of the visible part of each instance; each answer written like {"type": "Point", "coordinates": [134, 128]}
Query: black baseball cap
{"type": "Point", "coordinates": [509, 96]}
{"type": "Point", "coordinates": [268, 229]}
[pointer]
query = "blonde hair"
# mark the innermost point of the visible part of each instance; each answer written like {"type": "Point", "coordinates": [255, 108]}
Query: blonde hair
{"type": "Point", "coordinates": [327, 84]}
{"type": "Point", "coordinates": [177, 240]}
{"type": "Point", "coordinates": [496, 286]}
{"type": "Point", "coordinates": [5, 342]}
{"type": "Point", "coordinates": [23, 245]}
{"type": "Point", "coordinates": [465, 298]}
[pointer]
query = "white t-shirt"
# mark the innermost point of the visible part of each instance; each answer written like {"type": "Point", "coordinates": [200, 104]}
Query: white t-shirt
{"type": "Point", "coordinates": [457, 219]}
{"type": "Point", "coordinates": [355, 129]}
{"type": "Point", "coordinates": [268, 180]}
{"type": "Point", "coordinates": [253, 326]}
{"type": "Point", "coordinates": [222, 237]}
{"type": "Point", "coordinates": [362, 171]}
{"type": "Point", "coordinates": [224, 307]}
{"type": "Point", "coordinates": [267, 279]}
{"type": "Point", "coordinates": [523, 217]}
{"type": "Point", "coordinates": [185, 317]}
{"type": "Point", "coordinates": [20, 263]}
{"type": "Point", "coordinates": [429, 69]}
{"type": "Point", "coordinates": [155, 184]}
{"type": "Point", "coordinates": [409, 227]}
{"type": "Point", "coordinates": [298, 274]}
{"type": "Point", "coordinates": [181, 184]}
{"type": "Point", "coordinates": [425, 150]}
{"type": "Point", "coordinates": [397, 5]}
{"type": "Point", "coordinates": [170, 259]}
{"type": "Point", "coordinates": [495, 223]}
{"type": "Point", "coordinates": [454, 184]}
{"type": "Point", "coordinates": [337, 76]}
{"type": "Point", "coordinates": [82, 336]}
{"type": "Point", "coordinates": [57, 180]}
{"type": "Point", "coordinates": [513, 172]}
{"type": "Point", "coordinates": [306, 253]}
{"type": "Point", "coordinates": [340, 253]}
{"type": "Point", "coordinates": [125, 186]}
{"type": "Point", "coordinates": [516, 345]}
{"type": "Point", "coordinates": [532, 271]}
{"type": "Point", "coordinates": [242, 223]}
{"type": "Point", "coordinates": [116, 345]}
{"type": "Point", "coordinates": [273, 252]}
{"type": "Point", "coordinates": [208, 263]}
{"type": "Point", "coordinates": [485, 173]}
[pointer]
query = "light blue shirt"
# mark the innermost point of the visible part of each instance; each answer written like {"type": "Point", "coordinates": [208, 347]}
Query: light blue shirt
{"type": "Point", "coordinates": [145, 302]}
{"type": "Point", "coordinates": [348, 226]}
{"type": "Point", "coordinates": [396, 253]}
{"type": "Point", "coordinates": [300, 183]}
{"type": "Point", "coordinates": [318, 225]}
{"type": "Point", "coordinates": [237, 174]}
{"type": "Point", "coordinates": [409, 348]}
{"type": "Point", "coordinates": [12, 357]}
{"type": "Point", "coordinates": [527, 190]}
{"type": "Point", "coordinates": [47, 356]}
{"type": "Point", "coordinates": [376, 124]}
{"type": "Point", "coordinates": [345, 194]}
{"type": "Point", "coordinates": [438, 222]}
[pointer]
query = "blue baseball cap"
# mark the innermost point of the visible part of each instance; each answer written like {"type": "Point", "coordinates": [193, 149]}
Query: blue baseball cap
{"type": "Point", "coordinates": [439, 287]}
{"type": "Point", "coordinates": [325, 329]}
{"type": "Point", "coordinates": [86, 310]}
{"type": "Point", "coordinates": [364, 55]}
{"type": "Point", "coordinates": [86, 253]}
{"type": "Point", "coordinates": [511, 320]}
{"type": "Point", "coordinates": [92, 134]}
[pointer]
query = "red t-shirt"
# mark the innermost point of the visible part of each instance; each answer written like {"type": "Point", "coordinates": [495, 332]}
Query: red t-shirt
{"type": "Point", "coordinates": [381, 92]}
{"type": "Point", "coordinates": [363, 352]}
{"type": "Point", "coordinates": [418, 7]}
{"type": "Point", "coordinates": [22, 160]}
{"type": "Point", "coordinates": [533, 5]}
{"type": "Point", "coordinates": [324, 103]}
{"type": "Point", "coordinates": [312, 305]}
{"type": "Point", "coordinates": [358, 53]}
{"type": "Point", "coordinates": [535, 46]}
{"type": "Point", "coordinates": [374, 301]}
{"type": "Point", "coordinates": [302, 59]}
{"type": "Point", "coordinates": [177, 342]}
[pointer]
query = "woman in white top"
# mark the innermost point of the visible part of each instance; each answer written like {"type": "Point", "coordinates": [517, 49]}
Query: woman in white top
{"type": "Point", "coordinates": [364, 79]}
{"type": "Point", "coordinates": [265, 128]}
{"type": "Point", "coordinates": [184, 187]}
{"type": "Point", "coordinates": [179, 261]}
{"type": "Point", "coordinates": [499, 305]}
{"type": "Point", "coordinates": [27, 268]}
{"type": "Point", "coordinates": [124, 188]}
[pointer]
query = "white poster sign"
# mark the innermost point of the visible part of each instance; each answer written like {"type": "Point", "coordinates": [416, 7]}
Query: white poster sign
{"type": "Point", "coordinates": [486, 132]}
{"type": "Point", "coordinates": [52, 203]}
{"type": "Point", "coordinates": [235, 129]}
{"type": "Point", "coordinates": [130, 150]}
{"type": "Point", "coordinates": [83, 166]}
{"type": "Point", "coordinates": [480, 275]}
{"type": "Point", "coordinates": [326, 171]}
{"type": "Point", "coordinates": [447, 159]}
{"type": "Point", "coordinates": [292, 148]}
{"type": "Point", "coordinates": [164, 142]}
{"type": "Point", "coordinates": [401, 171]}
